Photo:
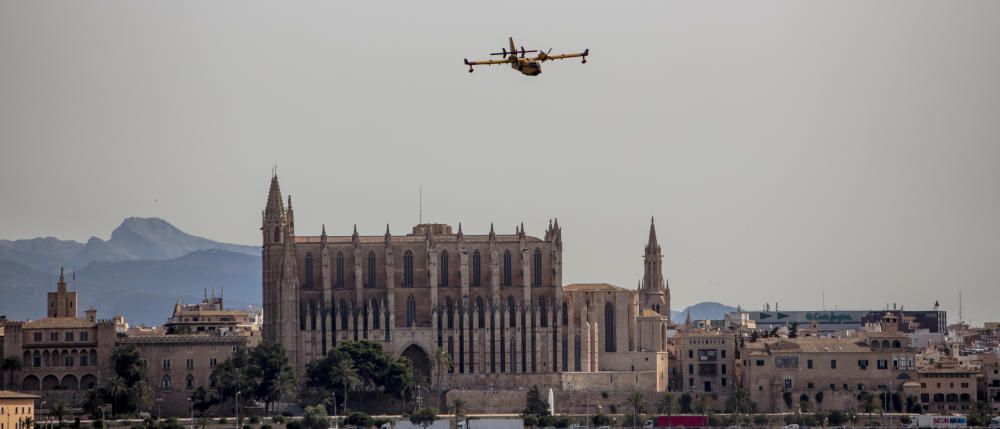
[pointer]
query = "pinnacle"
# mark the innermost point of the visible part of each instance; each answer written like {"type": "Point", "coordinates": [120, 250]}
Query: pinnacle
{"type": "Point", "coordinates": [274, 203]}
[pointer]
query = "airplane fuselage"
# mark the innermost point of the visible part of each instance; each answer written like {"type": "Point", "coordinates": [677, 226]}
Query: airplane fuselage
{"type": "Point", "coordinates": [528, 68]}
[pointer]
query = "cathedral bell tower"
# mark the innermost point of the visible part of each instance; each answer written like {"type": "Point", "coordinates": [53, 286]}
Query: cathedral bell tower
{"type": "Point", "coordinates": [654, 290]}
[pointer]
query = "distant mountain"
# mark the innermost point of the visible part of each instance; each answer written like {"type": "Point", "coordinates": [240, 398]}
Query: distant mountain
{"type": "Point", "coordinates": [146, 266]}
{"type": "Point", "coordinates": [149, 239]}
{"type": "Point", "coordinates": [702, 311]}
{"type": "Point", "coordinates": [143, 291]}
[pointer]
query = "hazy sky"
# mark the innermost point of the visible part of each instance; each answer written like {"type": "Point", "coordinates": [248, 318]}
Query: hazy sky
{"type": "Point", "coordinates": [786, 148]}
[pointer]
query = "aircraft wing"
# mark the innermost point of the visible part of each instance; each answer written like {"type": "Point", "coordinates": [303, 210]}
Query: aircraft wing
{"type": "Point", "coordinates": [488, 62]}
{"type": "Point", "coordinates": [565, 56]}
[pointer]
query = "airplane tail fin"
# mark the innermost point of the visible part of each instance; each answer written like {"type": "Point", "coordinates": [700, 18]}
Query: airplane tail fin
{"type": "Point", "coordinates": [512, 48]}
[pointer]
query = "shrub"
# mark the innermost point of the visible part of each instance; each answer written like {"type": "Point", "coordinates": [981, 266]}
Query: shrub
{"type": "Point", "coordinates": [223, 420]}
{"type": "Point", "coordinates": [547, 421]}
{"type": "Point", "coordinates": [279, 419]}
{"type": "Point", "coordinates": [265, 426]}
{"type": "Point", "coordinates": [98, 424]}
{"type": "Point", "coordinates": [359, 419]}
{"type": "Point", "coordinates": [562, 422]}
{"type": "Point", "coordinates": [714, 420]}
{"type": "Point", "coordinates": [530, 421]}
{"type": "Point", "coordinates": [378, 422]}
{"type": "Point", "coordinates": [293, 424]}
{"type": "Point", "coordinates": [287, 413]}
{"type": "Point", "coordinates": [254, 420]}
{"type": "Point", "coordinates": [601, 420]}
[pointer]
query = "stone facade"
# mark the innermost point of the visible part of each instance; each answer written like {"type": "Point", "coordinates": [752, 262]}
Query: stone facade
{"type": "Point", "coordinates": [494, 302]}
{"type": "Point", "coordinates": [15, 408]}
{"type": "Point", "coordinates": [707, 362]}
{"type": "Point", "coordinates": [840, 368]}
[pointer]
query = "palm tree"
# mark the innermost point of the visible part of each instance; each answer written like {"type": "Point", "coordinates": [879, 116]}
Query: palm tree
{"type": "Point", "coordinates": [27, 423]}
{"type": "Point", "coordinates": [739, 401]}
{"type": "Point", "coordinates": [638, 404]}
{"type": "Point", "coordinates": [116, 388]}
{"type": "Point", "coordinates": [343, 373]}
{"type": "Point", "coordinates": [458, 408]}
{"type": "Point", "coordinates": [667, 405]}
{"type": "Point", "coordinates": [442, 363]}
{"type": "Point", "coordinates": [868, 404]}
{"type": "Point", "coordinates": [702, 403]}
{"type": "Point", "coordinates": [60, 411]}
{"type": "Point", "coordinates": [10, 365]}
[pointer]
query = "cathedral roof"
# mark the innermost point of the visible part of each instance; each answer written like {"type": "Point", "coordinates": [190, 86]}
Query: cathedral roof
{"type": "Point", "coordinates": [592, 287]}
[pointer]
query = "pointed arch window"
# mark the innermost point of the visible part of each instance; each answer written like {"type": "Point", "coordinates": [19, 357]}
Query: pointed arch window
{"type": "Point", "coordinates": [277, 234]}
{"type": "Point", "coordinates": [408, 269]}
{"type": "Point", "coordinates": [340, 270]}
{"type": "Point", "coordinates": [312, 315]}
{"type": "Point", "coordinates": [477, 260]}
{"type": "Point", "coordinates": [371, 270]}
{"type": "Point", "coordinates": [444, 269]}
{"type": "Point", "coordinates": [309, 271]}
{"type": "Point", "coordinates": [481, 314]}
{"type": "Point", "coordinates": [376, 315]}
{"type": "Point", "coordinates": [411, 311]}
{"type": "Point", "coordinates": [536, 270]}
{"type": "Point", "coordinates": [449, 309]}
{"type": "Point", "coordinates": [542, 311]}
{"type": "Point", "coordinates": [609, 327]}
{"type": "Point", "coordinates": [189, 382]}
{"type": "Point", "coordinates": [511, 311]}
{"type": "Point", "coordinates": [344, 313]}
{"type": "Point", "coordinates": [506, 268]}
{"type": "Point", "coordinates": [165, 382]}
{"type": "Point", "coordinates": [565, 315]}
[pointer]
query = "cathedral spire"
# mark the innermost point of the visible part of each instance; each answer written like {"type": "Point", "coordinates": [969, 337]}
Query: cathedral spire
{"type": "Point", "coordinates": [655, 291]}
{"type": "Point", "coordinates": [652, 245]}
{"type": "Point", "coordinates": [322, 237]}
{"type": "Point", "coordinates": [274, 204]}
{"type": "Point", "coordinates": [460, 234]}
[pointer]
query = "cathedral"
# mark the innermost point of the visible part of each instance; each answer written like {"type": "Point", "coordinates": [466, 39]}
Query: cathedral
{"type": "Point", "coordinates": [495, 303]}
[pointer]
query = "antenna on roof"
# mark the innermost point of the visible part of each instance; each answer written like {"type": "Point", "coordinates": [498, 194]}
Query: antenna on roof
{"type": "Point", "coordinates": [420, 192]}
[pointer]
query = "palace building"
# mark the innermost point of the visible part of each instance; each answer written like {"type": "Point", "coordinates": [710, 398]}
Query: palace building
{"type": "Point", "coordinates": [494, 302]}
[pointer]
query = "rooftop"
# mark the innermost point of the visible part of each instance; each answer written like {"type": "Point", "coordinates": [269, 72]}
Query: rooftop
{"type": "Point", "coordinates": [8, 394]}
{"type": "Point", "coordinates": [592, 287]}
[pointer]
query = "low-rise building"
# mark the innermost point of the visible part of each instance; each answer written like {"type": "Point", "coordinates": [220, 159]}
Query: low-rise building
{"type": "Point", "coordinates": [706, 362]}
{"type": "Point", "coordinates": [782, 374]}
{"type": "Point", "coordinates": [948, 387]}
{"type": "Point", "coordinates": [15, 409]}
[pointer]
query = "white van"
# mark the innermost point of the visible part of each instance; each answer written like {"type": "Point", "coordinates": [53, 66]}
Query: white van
{"type": "Point", "coordinates": [995, 423]}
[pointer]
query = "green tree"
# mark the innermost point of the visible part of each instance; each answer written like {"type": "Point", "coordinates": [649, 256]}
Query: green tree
{"type": "Point", "coordinates": [601, 419]}
{"type": "Point", "coordinates": [638, 404]}
{"type": "Point", "coordinates": [805, 404]}
{"type": "Point", "coordinates": [819, 399]}
{"type": "Point", "coordinates": [787, 398]}
{"type": "Point", "coordinates": [424, 417]}
{"type": "Point", "coordinates": [459, 408]}
{"type": "Point", "coordinates": [343, 374]}
{"type": "Point", "coordinates": [980, 414]}
{"type": "Point", "coordinates": [667, 405]}
{"type": "Point", "coordinates": [315, 418]}
{"type": "Point", "coordinates": [685, 403]}
{"type": "Point", "coordinates": [234, 375]}
{"type": "Point", "coordinates": [442, 364]}
{"type": "Point", "coordinates": [272, 375]}
{"type": "Point", "coordinates": [359, 419]}
{"type": "Point", "coordinates": [868, 403]}
{"type": "Point", "coordinates": [536, 406]}
{"type": "Point", "coordinates": [60, 411]}
{"type": "Point", "coordinates": [739, 401]}
{"type": "Point", "coordinates": [9, 366]}
{"type": "Point", "coordinates": [702, 403]}
{"type": "Point", "coordinates": [27, 422]}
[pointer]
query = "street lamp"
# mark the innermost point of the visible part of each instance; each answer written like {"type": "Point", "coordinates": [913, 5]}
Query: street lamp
{"type": "Point", "coordinates": [238, 408]}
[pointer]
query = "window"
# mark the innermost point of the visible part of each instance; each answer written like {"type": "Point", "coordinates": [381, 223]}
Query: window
{"type": "Point", "coordinates": [344, 312]}
{"type": "Point", "coordinates": [690, 354]}
{"type": "Point", "coordinates": [477, 260]}
{"type": "Point", "coordinates": [507, 268]}
{"type": "Point", "coordinates": [166, 364]}
{"type": "Point", "coordinates": [84, 336]}
{"type": "Point", "coordinates": [309, 271]}
{"type": "Point", "coordinates": [809, 385]}
{"type": "Point", "coordinates": [38, 337]}
{"type": "Point", "coordinates": [53, 336]}
{"type": "Point", "coordinates": [189, 363]}
{"type": "Point", "coordinates": [408, 269]}
{"type": "Point", "coordinates": [882, 363]}
{"type": "Point", "coordinates": [543, 311]}
{"type": "Point", "coordinates": [788, 384]}
{"type": "Point", "coordinates": [833, 364]}
{"type": "Point", "coordinates": [863, 363]}
{"type": "Point", "coordinates": [371, 271]}
{"type": "Point", "coordinates": [511, 311]}
{"type": "Point", "coordinates": [609, 327]}
{"type": "Point", "coordinates": [723, 354]}
{"type": "Point", "coordinates": [411, 311]}
{"type": "Point", "coordinates": [212, 362]}
{"type": "Point", "coordinates": [449, 309]}
{"type": "Point", "coordinates": [83, 360]}
{"type": "Point", "coordinates": [69, 336]}
{"type": "Point", "coordinates": [723, 369]}
{"type": "Point", "coordinates": [481, 313]}
{"type": "Point", "coordinates": [165, 382]}
{"type": "Point", "coordinates": [189, 382]}
{"type": "Point", "coordinates": [443, 280]}
{"type": "Point", "coordinates": [277, 234]}
{"type": "Point", "coordinates": [376, 315]}
{"type": "Point", "coordinates": [536, 271]}
{"type": "Point", "coordinates": [809, 364]}
{"type": "Point", "coordinates": [67, 360]}
{"type": "Point", "coordinates": [760, 362]}
{"type": "Point", "coordinates": [340, 270]}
